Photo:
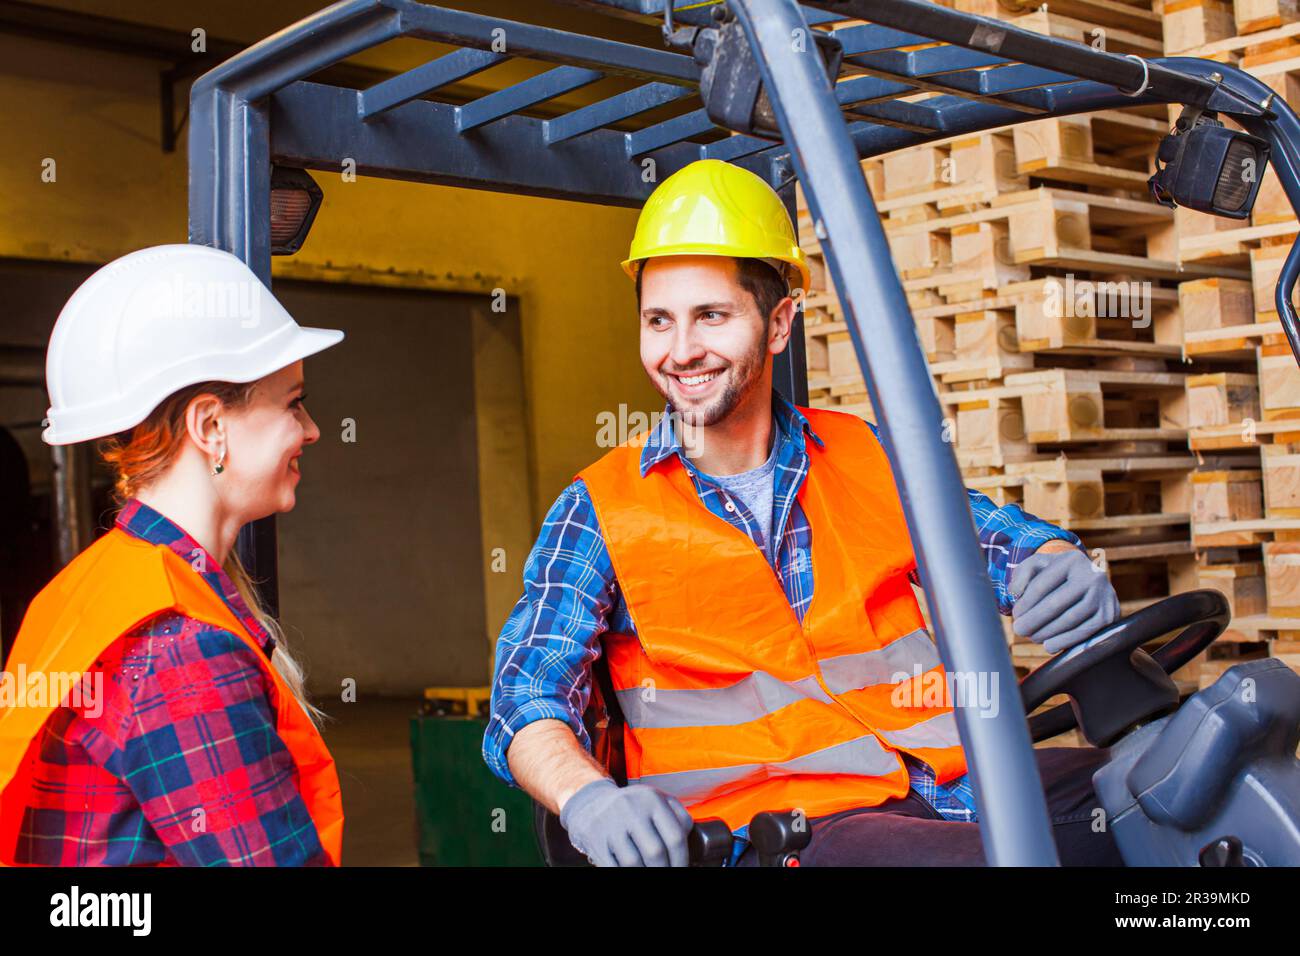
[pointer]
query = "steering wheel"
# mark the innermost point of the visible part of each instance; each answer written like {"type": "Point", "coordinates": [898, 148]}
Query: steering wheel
{"type": "Point", "coordinates": [1112, 683]}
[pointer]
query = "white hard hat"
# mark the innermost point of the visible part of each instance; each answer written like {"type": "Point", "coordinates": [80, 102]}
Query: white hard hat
{"type": "Point", "coordinates": [154, 321]}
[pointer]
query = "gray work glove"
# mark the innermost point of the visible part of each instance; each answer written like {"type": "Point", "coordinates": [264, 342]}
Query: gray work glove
{"type": "Point", "coordinates": [1061, 598]}
{"type": "Point", "coordinates": [627, 826]}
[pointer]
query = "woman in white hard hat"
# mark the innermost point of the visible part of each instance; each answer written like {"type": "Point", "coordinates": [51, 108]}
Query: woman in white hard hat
{"type": "Point", "coordinates": [154, 716]}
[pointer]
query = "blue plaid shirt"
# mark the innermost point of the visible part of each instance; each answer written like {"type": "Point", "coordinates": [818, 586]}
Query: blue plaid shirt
{"type": "Point", "coordinates": [571, 596]}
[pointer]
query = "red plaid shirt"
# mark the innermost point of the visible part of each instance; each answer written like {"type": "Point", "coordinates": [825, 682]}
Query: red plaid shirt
{"type": "Point", "coordinates": [182, 764]}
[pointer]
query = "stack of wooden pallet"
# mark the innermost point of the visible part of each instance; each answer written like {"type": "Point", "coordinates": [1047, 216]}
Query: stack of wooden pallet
{"type": "Point", "coordinates": [1245, 405]}
{"type": "Point", "coordinates": [1051, 298]}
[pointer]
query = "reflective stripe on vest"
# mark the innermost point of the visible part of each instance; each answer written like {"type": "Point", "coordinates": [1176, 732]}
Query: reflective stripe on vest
{"type": "Point", "coordinates": [863, 756]}
{"type": "Point", "coordinates": [761, 694]}
{"type": "Point", "coordinates": [732, 704]}
{"type": "Point", "coordinates": [117, 583]}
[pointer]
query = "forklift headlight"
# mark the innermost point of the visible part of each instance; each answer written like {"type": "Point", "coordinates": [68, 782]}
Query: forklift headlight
{"type": "Point", "coordinates": [295, 198]}
{"type": "Point", "coordinates": [1205, 166]}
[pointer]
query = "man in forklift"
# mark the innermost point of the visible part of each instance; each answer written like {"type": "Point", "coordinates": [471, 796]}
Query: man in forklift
{"type": "Point", "coordinates": [746, 571]}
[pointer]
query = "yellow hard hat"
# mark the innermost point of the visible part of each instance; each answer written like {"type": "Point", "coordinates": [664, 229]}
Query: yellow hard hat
{"type": "Point", "coordinates": [714, 208]}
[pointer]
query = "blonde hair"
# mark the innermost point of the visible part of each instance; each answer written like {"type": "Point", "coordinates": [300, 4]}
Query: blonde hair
{"type": "Point", "coordinates": [143, 454]}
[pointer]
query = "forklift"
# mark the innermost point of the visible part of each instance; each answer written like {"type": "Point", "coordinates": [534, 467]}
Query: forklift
{"type": "Point", "coordinates": [1210, 780]}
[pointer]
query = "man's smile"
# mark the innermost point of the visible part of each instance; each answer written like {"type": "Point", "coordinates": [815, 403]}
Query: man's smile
{"type": "Point", "coordinates": [695, 383]}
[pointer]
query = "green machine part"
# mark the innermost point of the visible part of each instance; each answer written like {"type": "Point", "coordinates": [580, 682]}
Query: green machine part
{"type": "Point", "coordinates": [466, 816]}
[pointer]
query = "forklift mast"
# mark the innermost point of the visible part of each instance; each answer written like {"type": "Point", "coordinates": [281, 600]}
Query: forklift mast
{"type": "Point", "coordinates": [803, 106]}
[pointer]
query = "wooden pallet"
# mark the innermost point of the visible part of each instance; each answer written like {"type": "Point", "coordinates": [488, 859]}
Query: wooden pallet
{"type": "Point", "coordinates": [1231, 342]}
{"type": "Point", "coordinates": [1084, 488]}
{"type": "Point", "coordinates": [1215, 314]}
{"type": "Point", "coordinates": [1280, 467]}
{"type": "Point", "coordinates": [1216, 399]}
{"type": "Point", "coordinates": [958, 264]}
{"type": "Point", "coordinates": [1111, 149]}
{"type": "Point", "coordinates": [1251, 16]}
{"type": "Point", "coordinates": [947, 176]}
{"type": "Point", "coordinates": [1275, 634]}
{"type": "Point", "coordinates": [965, 344]}
{"type": "Point", "coordinates": [1035, 440]}
{"type": "Point", "coordinates": [1135, 19]}
{"type": "Point", "coordinates": [1244, 410]}
{"type": "Point", "coordinates": [1218, 29]}
{"type": "Point", "coordinates": [1049, 226]}
{"type": "Point", "coordinates": [1228, 508]}
{"type": "Point", "coordinates": [1273, 62]}
{"type": "Point", "coordinates": [1231, 49]}
{"type": "Point", "coordinates": [1206, 239]}
{"type": "Point", "coordinates": [1070, 406]}
{"type": "Point", "coordinates": [1281, 563]}
{"type": "Point", "coordinates": [1060, 316]}
{"type": "Point", "coordinates": [850, 403]}
{"type": "Point", "coordinates": [834, 377]}
{"type": "Point", "coordinates": [1071, 318]}
{"type": "Point", "coordinates": [1266, 262]}
{"type": "Point", "coordinates": [1140, 582]}
{"type": "Point", "coordinates": [1244, 435]}
{"type": "Point", "coordinates": [1132, 511]}
{"type": "Point", "coordinates": [1194, 24]}
{"type": "Point", "coordinates": [1100, 316]}
{"type": "Point", "coordinates": [972, 341]}
{"type": "Point", "coordinates": [973, 344]}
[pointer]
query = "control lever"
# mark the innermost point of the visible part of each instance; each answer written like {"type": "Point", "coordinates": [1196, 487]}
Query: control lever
{"type": "Point", "coordinates": [709, 843]}
{"type": "Point", "coordinates": [1225, 851]}
{"type": "Point", "coordinates": [778, 837]}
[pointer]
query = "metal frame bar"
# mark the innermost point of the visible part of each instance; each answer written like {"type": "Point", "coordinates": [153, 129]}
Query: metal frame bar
{"type": "Point", "coordinates": [1013, 816]}
{"type": "Point", "coordinates": [610, 111]}
{"type": "Point", "coordinates": [259, 107]}
{"type": "Point", "coordinates": [445, 25]}
{"type": "Point", "coordinates": [530, 92]}
{"type": "Point", "coordinates": [451, 68]}
{"type": "Point", "coordinates": [1004, 42]}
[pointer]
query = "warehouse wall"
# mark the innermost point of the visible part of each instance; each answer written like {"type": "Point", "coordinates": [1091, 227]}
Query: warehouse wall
{"type": "Point", "coordinates": [363, 577]}
{"type": "Point", "coordinates": [96, 116]}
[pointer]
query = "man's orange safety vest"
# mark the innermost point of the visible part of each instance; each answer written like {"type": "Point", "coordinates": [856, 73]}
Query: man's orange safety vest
{"type": "Point", "coordinates": [731, 703]}
{"type": "Point", "coordinates": [117, 583]}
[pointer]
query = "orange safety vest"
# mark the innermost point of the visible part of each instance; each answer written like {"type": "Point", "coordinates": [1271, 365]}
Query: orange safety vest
{"type": "Point", "coordinates": [731, 703]}
{"type": "Point", "coordinates": [117, 583]}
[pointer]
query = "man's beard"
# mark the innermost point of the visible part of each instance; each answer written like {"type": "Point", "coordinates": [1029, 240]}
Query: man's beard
{"type": "Point", "coordinates": [742, 378]}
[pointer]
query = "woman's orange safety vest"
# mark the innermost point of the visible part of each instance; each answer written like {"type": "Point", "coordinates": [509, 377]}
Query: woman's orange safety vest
{"type": "Point", "coordinates": [731, 704]}
{"type": "Point", "coordinates": [117, 583]}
